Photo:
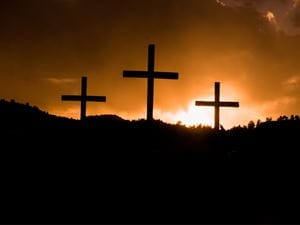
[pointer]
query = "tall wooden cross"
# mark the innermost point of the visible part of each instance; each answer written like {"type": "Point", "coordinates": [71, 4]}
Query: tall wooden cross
{"type": "Point", "coordinates": [217, 104]}
{"type": "Point", "coordinates": [83, 98]}
{"type": "Point", "coordinates": [150, 74]}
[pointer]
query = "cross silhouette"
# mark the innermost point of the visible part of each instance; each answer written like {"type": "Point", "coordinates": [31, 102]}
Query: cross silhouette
{"type": "Point", "coordinates": [217, 104]}
{"type": "Point", "coordinates": [83, 98]}
{"type": "Point", "coordinates": [150, 74]}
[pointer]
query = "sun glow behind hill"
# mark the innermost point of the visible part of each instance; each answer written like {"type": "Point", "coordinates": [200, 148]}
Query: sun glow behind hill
{"type": "Point", "coordinates": [190, 116]}
{"type": "Point", "coordinates": [186, 114]}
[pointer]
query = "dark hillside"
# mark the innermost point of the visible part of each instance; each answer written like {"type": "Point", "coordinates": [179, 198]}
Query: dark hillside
{"type": "Point", "coordinates": [109, 170]}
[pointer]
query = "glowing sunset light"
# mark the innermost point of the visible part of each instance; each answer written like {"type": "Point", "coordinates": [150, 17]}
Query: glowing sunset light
{"type": "Point", "coordinates": [190, 116]}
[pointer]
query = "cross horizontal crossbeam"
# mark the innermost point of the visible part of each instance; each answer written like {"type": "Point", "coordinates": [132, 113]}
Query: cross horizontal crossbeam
{"type": "Point", "coordinates": [220, 104]}
{"type": "Point", "coordinates": [146, 74]}
{"type": "Point", "coordinates": [87, 98]}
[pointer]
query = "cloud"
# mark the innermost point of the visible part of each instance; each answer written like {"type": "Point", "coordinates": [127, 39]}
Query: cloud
{"type": "Point", "coordinates": [221, 3]}
{"type": "Point", "coordinates": [294, 80]}
{"type": "Point", "coordinates": [271, 17]}
{"type": "Point", "coordinates": [280, 105]}
{"type": "Point", "coordinates": [292, 83]}
{"type": "Point", "coordinates": [60, 81]}
{"type": "Point", "coordinates": [284, 14]}
{"type": "Point", "coordinates": [295, 3]}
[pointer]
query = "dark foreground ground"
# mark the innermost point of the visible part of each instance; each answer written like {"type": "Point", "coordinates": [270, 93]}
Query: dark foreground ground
{"type": "Point", "coordinates": [108, 170]}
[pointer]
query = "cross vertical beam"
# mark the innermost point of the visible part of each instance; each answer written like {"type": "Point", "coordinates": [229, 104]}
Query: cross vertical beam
{"type": "Point", "coordinates": [83, 95]}
{"type": "Point", "coordinates": [150, 94]}
{"type": "Point", "coordinates": [217, 104]}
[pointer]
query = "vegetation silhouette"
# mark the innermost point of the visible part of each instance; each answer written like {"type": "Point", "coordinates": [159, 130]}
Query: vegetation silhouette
{"type": "Point", "coordinates": [109, 170]}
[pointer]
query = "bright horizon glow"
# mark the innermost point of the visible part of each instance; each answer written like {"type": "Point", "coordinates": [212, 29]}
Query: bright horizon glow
{"type": "Point", "coordinates": [191, 116]}
{"type": "Point", "coordinates": [188, 115]}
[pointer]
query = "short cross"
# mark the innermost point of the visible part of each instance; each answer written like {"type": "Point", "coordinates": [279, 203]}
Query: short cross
{"type": "Point", "coordinates": [217, 104]}
{"type": "Point", "coordinates": [83, 98]}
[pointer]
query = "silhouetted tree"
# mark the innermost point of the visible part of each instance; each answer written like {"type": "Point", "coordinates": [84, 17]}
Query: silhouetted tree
{"type": "Point", "coordinates": [269, 119]}
{"type": "Point", "coordinates": [251, 125]}
{"type": "Point", "coordinates": [258, 122]}
{"type": "Point", "coordinates": [282, 118]}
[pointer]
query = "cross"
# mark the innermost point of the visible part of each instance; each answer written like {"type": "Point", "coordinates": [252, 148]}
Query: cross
{"type": "Point", "coordinates": [217, 104]}
{"type": "Point", "coordinates": [150, 74]}
{"type": "Point", "coordinates": [83, 98]}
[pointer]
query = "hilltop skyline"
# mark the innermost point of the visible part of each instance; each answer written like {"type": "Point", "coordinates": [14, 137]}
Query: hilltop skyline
{"type": "Point", "coordinates": [251, 47]}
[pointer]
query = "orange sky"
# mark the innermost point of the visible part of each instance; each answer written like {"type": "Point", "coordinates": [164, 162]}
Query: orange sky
{"type": "Point", "coordinates": [251, 47]}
